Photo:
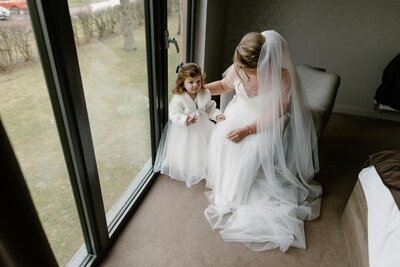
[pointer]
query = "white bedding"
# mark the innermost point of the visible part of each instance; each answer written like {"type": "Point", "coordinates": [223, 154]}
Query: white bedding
{"type": "Point", "coordinates": [383, 221]}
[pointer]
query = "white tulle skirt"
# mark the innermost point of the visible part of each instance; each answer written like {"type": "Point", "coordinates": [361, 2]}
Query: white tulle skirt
{"type": "Point", "coordinates": [240, 203]}
{"type": "Point", "coordinates": [182, 150]}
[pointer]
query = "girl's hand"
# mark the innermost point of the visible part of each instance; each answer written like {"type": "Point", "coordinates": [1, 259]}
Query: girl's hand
{"type": "Point", "coordinates": [191, 119]}
{"type": "Point", "coordinates": [238, 134]}
{"type": "Point", "coordinates": [220, 117]}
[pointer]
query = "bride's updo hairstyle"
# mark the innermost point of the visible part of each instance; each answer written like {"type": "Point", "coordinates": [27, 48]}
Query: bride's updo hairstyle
{"type": "Point", "coordinates": [248, 51]}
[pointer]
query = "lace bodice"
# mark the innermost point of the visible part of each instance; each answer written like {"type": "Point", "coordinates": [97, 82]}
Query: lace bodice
{"type": "Point", "coordinates": [247, 88]}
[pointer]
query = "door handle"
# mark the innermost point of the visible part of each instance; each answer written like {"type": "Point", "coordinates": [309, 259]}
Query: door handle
{"type": "Point", "coordinates": [171, 40]}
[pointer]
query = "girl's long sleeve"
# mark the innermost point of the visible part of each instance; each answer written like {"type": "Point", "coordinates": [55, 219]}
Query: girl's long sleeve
{"type": "Point", "coordinates": [176, 112]}
{"type": "Point", "coordinates": [212, 111]}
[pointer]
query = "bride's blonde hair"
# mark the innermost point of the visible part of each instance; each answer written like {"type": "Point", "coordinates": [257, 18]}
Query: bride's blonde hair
{"type": "Point", "coordinates": [248, 51]}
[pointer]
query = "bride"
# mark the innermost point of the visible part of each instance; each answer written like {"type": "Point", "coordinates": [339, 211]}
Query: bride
{"type": "Point", "coordinates": [262, 158]}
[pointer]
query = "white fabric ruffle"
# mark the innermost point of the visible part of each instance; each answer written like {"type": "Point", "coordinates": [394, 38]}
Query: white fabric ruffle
{"type": "Point", "coordinates": [182, 150]}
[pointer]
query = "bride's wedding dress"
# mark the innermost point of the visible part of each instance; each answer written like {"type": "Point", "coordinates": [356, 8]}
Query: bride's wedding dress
{"type": "Point", "coordinates": [261, 187]}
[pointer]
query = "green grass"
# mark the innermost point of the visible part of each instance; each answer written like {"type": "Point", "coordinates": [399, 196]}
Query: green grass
{"type": "Point", "coordinates": [115, 87]}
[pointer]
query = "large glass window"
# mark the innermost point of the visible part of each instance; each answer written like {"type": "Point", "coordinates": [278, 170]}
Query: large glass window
{"type": "Point", "coordinates": [118, 111]}
{"type": "Point", "coordinates": [110, 39]}
{"type": "Point", "coordinates": [176, 13]}
{"type": "Point", "coordinates": [27, 115]}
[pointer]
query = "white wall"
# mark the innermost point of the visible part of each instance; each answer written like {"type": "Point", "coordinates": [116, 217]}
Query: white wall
{"type": "Point", "coordinates": [355, 39]}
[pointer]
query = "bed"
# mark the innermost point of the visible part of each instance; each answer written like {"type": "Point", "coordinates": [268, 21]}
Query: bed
{"type": "Point", "coordinates": [371, 219]}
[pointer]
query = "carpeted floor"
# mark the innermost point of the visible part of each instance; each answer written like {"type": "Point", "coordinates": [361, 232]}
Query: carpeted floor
{"type": "Point", "coordinates": [169, 228]}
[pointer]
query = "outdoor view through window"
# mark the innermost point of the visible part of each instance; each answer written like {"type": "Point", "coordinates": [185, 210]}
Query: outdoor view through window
{"type": "Point", "coordinates": [110, 41]}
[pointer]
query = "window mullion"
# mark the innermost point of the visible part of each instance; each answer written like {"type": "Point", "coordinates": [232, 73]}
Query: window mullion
{"type": "Point", "coordinates": [157, 62]}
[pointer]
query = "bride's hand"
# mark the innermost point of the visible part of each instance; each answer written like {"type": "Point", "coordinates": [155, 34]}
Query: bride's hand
{"type": "Point", "coordinates": [238, 134]}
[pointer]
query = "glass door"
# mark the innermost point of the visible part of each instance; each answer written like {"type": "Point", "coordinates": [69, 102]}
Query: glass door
{"type": "Point", "coordinates": [110, 38]}
{"type": "Point", "coordinates": [176, 14]}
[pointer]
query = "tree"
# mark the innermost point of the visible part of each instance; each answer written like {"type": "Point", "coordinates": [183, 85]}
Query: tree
{"type": "Point", "coordinates": [127, 24]}
{"type": "Point", "coordinates": [178, 32]}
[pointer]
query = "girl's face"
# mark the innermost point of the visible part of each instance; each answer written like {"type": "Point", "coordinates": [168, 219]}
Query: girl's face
{"type": "Point", "coordinates": [192, 84]}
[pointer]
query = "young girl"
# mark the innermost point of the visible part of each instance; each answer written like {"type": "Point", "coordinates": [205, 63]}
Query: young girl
{"type": "Point", "coordinates": [183, 145]}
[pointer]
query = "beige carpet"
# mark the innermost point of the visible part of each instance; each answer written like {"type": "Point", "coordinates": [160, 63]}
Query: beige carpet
{"type": "Point", "coordinates": [169, 229]}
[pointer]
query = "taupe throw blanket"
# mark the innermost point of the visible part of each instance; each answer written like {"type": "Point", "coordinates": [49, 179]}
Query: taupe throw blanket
{"type": "Point", "coordinates": [387, 165]}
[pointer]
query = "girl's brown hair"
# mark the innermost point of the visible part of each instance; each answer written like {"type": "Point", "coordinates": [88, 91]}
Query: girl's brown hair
{"type": "Point", "coordinates": [248, 51]}
{"type": "Point", "coordinates": [187, 70]}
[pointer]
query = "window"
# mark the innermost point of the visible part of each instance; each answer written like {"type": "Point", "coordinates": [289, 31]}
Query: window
{"type": "Point", "coordinates": [26, 113]}
{"type": "Point", "coordinates": [110, 38]}
{"type": "Point", "coordinates": [86, 142]}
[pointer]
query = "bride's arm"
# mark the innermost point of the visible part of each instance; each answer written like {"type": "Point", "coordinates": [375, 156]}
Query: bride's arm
{"type": "Point", "coordinates": [225, 85]}
{"type": "Point", "coordinates": [285, 92]}
{"type": "Point", "coordinates": [218, 87]}
{"type": "Point", "coordinates": [239, 134]}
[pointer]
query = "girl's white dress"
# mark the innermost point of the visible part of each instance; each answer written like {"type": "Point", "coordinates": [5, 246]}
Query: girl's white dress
{"type": "Point", "coordinates": [242, 203]}
{"type": "Point", "coordinates": [182, 150]}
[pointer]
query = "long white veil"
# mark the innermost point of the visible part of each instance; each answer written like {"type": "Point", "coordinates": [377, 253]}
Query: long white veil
{"type": "Point", "coordinates": [283, 193]}
{"type": "Point", "coordinates": [288, 148]}
{"type": "Point", "coordinates": [279, 176]}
